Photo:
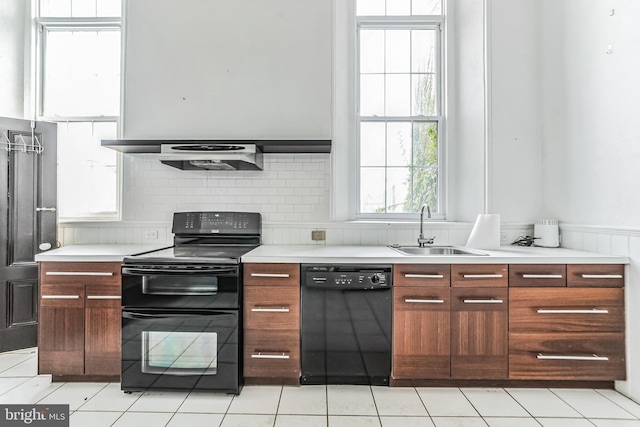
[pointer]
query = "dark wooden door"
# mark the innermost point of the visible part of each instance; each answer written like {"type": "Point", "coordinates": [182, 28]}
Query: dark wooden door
{"type": "Point", "coordinates": [27, 184]}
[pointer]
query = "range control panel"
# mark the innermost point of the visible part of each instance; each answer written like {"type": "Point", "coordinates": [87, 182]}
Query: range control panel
{"type": "Point", "coordinates": [347, 276]}
{"type": "Point", "coordinates": [216, 223]}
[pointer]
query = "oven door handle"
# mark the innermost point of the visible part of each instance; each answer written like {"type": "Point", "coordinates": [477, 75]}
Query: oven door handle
{"type": "Point", "coordinates": [139, 315]}
{"type": "Point", "coordinates": [134, 271]}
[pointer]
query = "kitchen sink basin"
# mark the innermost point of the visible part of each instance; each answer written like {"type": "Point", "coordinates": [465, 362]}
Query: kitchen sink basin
{"type": "Point", "coordinates": [435, 250]}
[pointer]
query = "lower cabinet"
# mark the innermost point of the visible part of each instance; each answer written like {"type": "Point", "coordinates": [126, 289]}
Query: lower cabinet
{"type": "Point", "coordinates": [80, 321]}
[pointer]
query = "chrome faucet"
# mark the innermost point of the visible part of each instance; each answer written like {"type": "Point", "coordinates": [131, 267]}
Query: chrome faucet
{"type": "Point", "coordinates": [421, 240]}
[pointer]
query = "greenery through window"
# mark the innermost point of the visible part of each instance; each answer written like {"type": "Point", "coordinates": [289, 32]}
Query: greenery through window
{"type": "Point", "coordinates": [399, 110]}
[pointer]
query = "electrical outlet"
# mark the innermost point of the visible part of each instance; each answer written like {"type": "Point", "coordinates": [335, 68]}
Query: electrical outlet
{"type": "Point", "coordinates": [318, 235]}
{"type": "Point", "coordinates": [150, 234]}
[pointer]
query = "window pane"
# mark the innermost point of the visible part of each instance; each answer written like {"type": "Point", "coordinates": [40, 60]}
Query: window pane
{"type": "Point", "coordinates": [370, 7]}
{"type": "Point", "coordinates": [399, 144]}
{"type": "Point", "coordinates": [372, 190]}
{"type": "Point", "coordinates": [397, 95]}
{"type": "Point", "coordinates": [109, 8]}
{"type": "Point", "coordinates": [82, 73]}
{"type": "Point", "coordinates": [423, 58]}
{"type": "Point", "coordinates": [372, 94]}
{"type": "Point", "coordinates": [372, 51]}
{"type": "Point", "coordinates": [397, 51]}
{"type": "Point", "coordinates": [398, 186]}
{"type": "Point", "coordinates": [87, 176]}
{"type": "Point", "coordinates": [423, 94]}
{"type": "Point", "coordinates": [425, 188]}
{"type": "Point", "coordinates": [426, 7]}
{"type": "Point", "coordinates": [398, 7]}
{"type": "Point", "coordinates": [83, 8]}
{"type": "Point", "coordinates": [372, 144]}
{"type": "Point", "coordinates": [425, 144]}
{"type": "Point", "coordinates": [57, 8]}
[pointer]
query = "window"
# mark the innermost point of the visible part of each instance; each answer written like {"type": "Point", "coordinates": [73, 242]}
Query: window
{"type": "Point", "coordinates": [79, 88]}
{"type": "Point", "coordinates": [399, 108]}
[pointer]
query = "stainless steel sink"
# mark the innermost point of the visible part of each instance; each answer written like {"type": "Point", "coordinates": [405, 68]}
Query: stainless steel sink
{"type": "Point", "coordinates": [435, 250]}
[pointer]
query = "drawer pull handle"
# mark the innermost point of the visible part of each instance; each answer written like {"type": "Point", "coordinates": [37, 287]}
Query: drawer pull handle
{"type": "Point", "coordinates": [424, 276]}
{"type": "Point", "coordinates": [602, 276]}
{"type": "Point", "coordinates": [80, 273]}
{"type": "Point", "coordinates": [424, 301]}
{"type": "Point", "coordinates": [270, 310]}
{"type": "Point", "coordinates": [483, 301]}
{"type": "Point", "coordinates": [278, 275]}
{"type": "Point", "coordinates": [542, 276]}
{"type": "Point", "coordinates": [260, 355]}
{"type": "Point", "coordinates": [103, 297]}
{"type": "Point", "coordinates": [60, 296]}
{"type": "Point", "coordinates": [482, 276]}
{"type": "Point", "coordinates": [572, 311]}
{"type": "Point", "coordinates": [594, 357]}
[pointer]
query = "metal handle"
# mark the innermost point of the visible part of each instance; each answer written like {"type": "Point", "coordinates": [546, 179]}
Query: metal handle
{"type": "Point", "coordinates": [593, 357]}
{"type": "Point", "coordinates": [424, 301]}
{"type": "Point", "coordinates": [482, 276]}
{"type": "Point", "coordinates": [104, 297]}
{"type": "Point", "coordinates": [279, 275]}
{"type": "Point", "coordinates": [483, 301]}
{"type": "Point", "coordinates": [602, 276]}
{"type": "Point", "coordinates": [46, 209]}
{"type": "Point", "coordinates": [60, 296]}
{"type": "Point", "coordinates": [572, 311]}
{"type": "Point", "coordinates": [542, 276]}
{"type": "Point", "coordinates": [79, 273]}
{"type": "Point", "coordinates": [270, 310]}
{"type": "Point", "coordinates": [260, 355]}
{"type": "Point", "coordinates": [425, 276]}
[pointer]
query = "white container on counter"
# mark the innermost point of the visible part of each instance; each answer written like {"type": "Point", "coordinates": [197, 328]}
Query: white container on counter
{"type": "Point", "coordinates": [546, 233]}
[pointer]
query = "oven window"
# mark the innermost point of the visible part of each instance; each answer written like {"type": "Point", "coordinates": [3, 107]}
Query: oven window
{"type": "Point", "coordinates": [179, 353]}
{"type": "Point", "coordinates": [179, 285]}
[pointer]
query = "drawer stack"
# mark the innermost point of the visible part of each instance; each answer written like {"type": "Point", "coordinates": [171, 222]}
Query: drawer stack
{"type": "Point", "coordinates": [272, 321]}
{"type": "Point", "coordinates": [566, 322]}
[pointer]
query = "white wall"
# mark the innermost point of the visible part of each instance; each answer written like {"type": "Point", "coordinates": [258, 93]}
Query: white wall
{"type": "Point", "coordinates": [13, 48]}
{"type": "Point", "coordinates": [242, 69]}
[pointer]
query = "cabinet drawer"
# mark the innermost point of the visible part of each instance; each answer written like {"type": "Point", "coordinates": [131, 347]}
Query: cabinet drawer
{"type": "Point", "coordinates": [422, 275]}
{"type": "Point", "coordinates": [420, 298]}
{"type": "Point", "coordinates": [479, 275]}
{"type": "Point", "coordinates": [566, 309]}
{"type": "Point", "coordinates": [272, 354]}
{"type": "Point", "coordinates": [539, 275]}
{"type": "Point", "coordinates": [595, 275]}
{"type": "Point", "coordinates": [482, 299]}
{"type": "Point", "coordinates": [103, 296]}
{"type": "Point", "coordinates": [272, 307]}
{"type": "Point", "coordinates": [567, 356]}
{"type": "Point", "coordinates": [62, 296]}
{"type": "Point", "coordinates": [100, 273]}
{"type": "Point", "coordinates": [272, 274]}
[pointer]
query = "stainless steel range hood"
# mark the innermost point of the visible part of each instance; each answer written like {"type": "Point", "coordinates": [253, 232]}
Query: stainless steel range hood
{"type": "Point", "coordinates": [212, 156]}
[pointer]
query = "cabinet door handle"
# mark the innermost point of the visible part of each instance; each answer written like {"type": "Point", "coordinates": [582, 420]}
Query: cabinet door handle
{"type": "Point", "coordinates": [279, 275]}
{"type": "Point", "coordinates": [424, 276]}
{"type": "Point", "coordinates": [60, 296]}
{"type": "Point", "coordinates": [602, 276]}
{"type": "Point", "coordinates": [260, 355]}
{"type": "Point", "coordinates": [572, 311]}
{"type": "Point", "coordinates": [593, 357]}
{"type": "Point", "coordinates": [270, 310]}
{"type": "Point", "coordinates": [79, 273]}
{"type": "Point", "coordinates": [541, 276]}
{"type": "Point", "coordinates": [424, 301]}
{"type": "Point", "coordinates": [483, 301]}
{"type": "Point", "coordinates": [103, 297]}
{"type": "Point", "coordinates": [482, 276]}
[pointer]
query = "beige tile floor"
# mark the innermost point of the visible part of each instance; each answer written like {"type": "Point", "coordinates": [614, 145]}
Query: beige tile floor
{"type": "Point", "coordinates": [104, 404]}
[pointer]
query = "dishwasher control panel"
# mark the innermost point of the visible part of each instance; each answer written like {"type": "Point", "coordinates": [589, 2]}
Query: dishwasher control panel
{"type": "Point", "coordinates": [347, 276]}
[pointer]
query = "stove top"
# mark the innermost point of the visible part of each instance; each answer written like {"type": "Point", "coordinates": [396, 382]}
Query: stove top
{"type": "Point", "coordinates": [224, 254]}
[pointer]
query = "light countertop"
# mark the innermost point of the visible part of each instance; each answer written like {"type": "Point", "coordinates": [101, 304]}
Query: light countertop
{"type": "Point", "coordinates": [323, 254]}
{"type": "Point", "coordinates": [94, 253]}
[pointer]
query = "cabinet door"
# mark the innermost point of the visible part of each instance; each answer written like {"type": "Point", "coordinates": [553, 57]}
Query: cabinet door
{"type": "Point", "coordinates": [479, 333]}
{"type": "Point", "coordinates": [102, 330]}
{"type": "Point", "coordinates": [421, 330]}
{"type": "Point", "coordinates": [61, 334]}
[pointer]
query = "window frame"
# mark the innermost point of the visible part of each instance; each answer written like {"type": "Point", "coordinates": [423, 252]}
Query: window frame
{"type": "Point", "coordinates": [431, 22]}
{"type": "Point", "coordinates": [43, 26]}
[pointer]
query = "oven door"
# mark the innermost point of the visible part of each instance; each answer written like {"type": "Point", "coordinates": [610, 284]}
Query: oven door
{"type": "Point", "coordinates": [181, 286]}
{"type": "Point", "coordinates": [179, 350]}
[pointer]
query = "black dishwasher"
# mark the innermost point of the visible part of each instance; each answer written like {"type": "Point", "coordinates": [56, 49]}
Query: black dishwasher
{"type": "Point", "coordinates": [346, 313]}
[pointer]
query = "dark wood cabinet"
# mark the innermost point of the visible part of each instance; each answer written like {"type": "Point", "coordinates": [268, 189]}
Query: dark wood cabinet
{"type": "Point", "coordinates": [79, 334]}
{"type": "Point", "coordinates": [271, 323]}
